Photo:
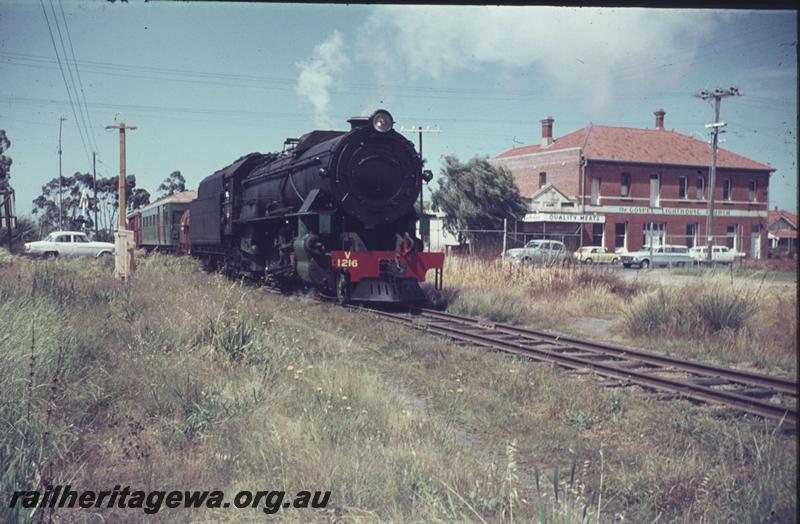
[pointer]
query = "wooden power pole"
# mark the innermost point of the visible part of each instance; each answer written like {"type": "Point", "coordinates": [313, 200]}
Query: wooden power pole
{"type": "Point", "coordinates": [717, 95]}
{"type": "Point", "coordinates": [123, 239]}
{"type": "Point", "coordinates": [60, 206]}
{"type": "Point", "coordinates": [122, 127]}
{"type": "Point", "coordinates": [94, 186]}
{"type": "Point", "coordinates": [420, 130]}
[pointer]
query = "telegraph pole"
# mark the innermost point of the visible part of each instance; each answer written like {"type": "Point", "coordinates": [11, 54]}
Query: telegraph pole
{"type": "Point", "coordinates": [122, 127]}
{"type": "Point", "coordinates": [94, 185]}
{"type": "Point", "coordinates": [60, 207]}
{"type": "Point", "coordinates": [717, 95]}
{"type": "Point", "coordinates": [420, 130]}
{"type": "Point", "coordinates": [124, 253]}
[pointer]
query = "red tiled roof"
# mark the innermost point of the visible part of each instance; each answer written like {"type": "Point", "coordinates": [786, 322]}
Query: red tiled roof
{"type": "Point", "coordinates": [780, 213]}
{"type": "Point", "coordinates": [650, 146]}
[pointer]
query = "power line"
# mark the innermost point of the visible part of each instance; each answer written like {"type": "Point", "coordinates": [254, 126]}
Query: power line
{"type": "Point", "coordinates": [64, 78]}
{"type": "Point", "coordinates": [78, 72]}
{"type": "Point", "coordinates": [71, 76]}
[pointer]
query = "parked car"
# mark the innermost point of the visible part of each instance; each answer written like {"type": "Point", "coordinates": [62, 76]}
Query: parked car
{"type": "Point", "coordinates": [68, 243]}
{"type": "Point", "coordinates": [661, 256]}
{"type": "Point", "coordinates": [595, 255]}
{"type": "Point", "coordinates": [719, 254]}
{"type": "Point", "coordinates": [540, 252]}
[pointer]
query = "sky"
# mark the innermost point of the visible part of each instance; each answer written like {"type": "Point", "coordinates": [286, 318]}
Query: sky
{"type": "Point", "coordinates": [205, 83]}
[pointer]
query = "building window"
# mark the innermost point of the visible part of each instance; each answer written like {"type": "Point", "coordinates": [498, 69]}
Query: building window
{"type": "Point", "coordinates": [655, 189]}
{"type": "Point", "coordinates": [691, 235]}
{"type": "Point", "coordinates": [701, 188]}
{"type": "Point", "coordinates": [620, 237]}
{"type": "Point", "coordinates": [542, 179]}
{"type": "Point", "coordinates": [682, 187]}
{"type": "Point", "coordinates": [726, 189]}
{"type": "Point", "coordinates": [755, 241]}
{"type": "Point", "coordinates": [595, 191]}
{"type": "Point", "coordinates": [625, 185]}
{"type": "Point", "coordinates": [732, 233]}
{"type": "Point", "coordinates": [597, 234]}
{"type": "Point", "coordinates": [753, 190]}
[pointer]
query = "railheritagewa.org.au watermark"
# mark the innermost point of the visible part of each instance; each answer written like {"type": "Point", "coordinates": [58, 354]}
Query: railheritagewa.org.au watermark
{"type": "Point", "coordinates": [154, 501]}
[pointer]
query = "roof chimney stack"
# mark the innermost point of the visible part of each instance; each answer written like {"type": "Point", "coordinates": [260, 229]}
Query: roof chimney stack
{"type": "Point", "coordinates": [660, 119]}
{"type": "Point", "coordinates": [547, 131]}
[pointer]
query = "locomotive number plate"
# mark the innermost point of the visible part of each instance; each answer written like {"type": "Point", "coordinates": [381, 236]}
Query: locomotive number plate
{"type": "Point", "coordinates": [345, 262]}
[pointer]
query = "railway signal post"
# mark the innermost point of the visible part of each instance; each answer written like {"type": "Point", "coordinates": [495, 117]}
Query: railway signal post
{"type": "Point", "coordinates": [123, 239]}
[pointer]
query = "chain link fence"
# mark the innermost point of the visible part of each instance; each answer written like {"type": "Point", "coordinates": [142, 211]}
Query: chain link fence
{"type": "Point", "coordinates": [492, 243]}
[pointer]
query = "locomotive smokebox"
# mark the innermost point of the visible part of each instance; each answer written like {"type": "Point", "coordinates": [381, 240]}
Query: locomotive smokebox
{"type": "Point", "coordinates": [378, 173]}
{"type": "Point", "coordinates": [371, 173]}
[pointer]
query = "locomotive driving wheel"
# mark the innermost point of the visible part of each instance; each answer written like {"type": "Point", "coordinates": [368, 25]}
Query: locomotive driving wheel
{"type": "Point", "coordinates": [342, 288]}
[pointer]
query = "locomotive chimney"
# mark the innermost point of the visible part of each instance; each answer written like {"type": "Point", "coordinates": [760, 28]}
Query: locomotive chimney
{"type": "Point", "coordinates": [547, 131]}
{"type": "Point", "coordinates": [660, 119]}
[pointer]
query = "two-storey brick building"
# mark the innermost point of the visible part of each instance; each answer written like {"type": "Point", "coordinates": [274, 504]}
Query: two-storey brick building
{"type": "Point", "coordinates": [621, 187]}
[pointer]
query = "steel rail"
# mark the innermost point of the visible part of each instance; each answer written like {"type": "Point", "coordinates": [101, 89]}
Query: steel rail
{"type": "Point", "coordinates": [776, 384]}
{"type": "Point", "coordinates": [785, 414]}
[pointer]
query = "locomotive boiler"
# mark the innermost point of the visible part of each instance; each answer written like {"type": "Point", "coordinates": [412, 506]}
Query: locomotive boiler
{"type": "Point", "coordinates": [335, 211]}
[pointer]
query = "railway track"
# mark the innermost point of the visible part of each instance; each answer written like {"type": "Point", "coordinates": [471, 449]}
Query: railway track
{"type": "Point", "coordinates": [768, 397]}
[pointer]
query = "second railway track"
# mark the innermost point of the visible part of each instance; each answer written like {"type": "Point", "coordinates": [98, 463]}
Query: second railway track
{"type": "Point", "coordinates": [769, 397]}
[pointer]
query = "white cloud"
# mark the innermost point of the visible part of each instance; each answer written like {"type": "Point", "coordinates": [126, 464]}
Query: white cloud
{"type": "Point", "coordinates": [317, 75]}
{"type": "Point", "coordinates": [592, 55]}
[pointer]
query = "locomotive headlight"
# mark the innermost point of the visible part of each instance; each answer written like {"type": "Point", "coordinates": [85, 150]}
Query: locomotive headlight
{"type": "Point", "coordinates": [382, 121]}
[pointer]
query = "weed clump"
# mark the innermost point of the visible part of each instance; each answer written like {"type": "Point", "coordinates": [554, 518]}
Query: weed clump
{"type": "Point", "coordinates": [6, 258]}
{"type": "Point", "coordinates": [234, 338]}
{"type": "Point", "coordinates": [689, 311]}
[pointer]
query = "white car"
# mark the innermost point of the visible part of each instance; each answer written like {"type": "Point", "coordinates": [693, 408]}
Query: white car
{"type": "Point", "coordinates": [719, 254]}
{"type": "Point", "coordinates": [545, 252]}
{"type": "Point", "coordinates": [69, 244]}
{"type": "Point", "coordinates": [663, 256]}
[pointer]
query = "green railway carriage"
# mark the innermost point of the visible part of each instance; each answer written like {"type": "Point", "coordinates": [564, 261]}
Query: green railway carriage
{"type": "Point", "coordinates": [157, 226]}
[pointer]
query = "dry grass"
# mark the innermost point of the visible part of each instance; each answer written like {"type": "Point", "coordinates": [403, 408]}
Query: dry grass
{"type": "Point", "coordinates": [531, 295]}
{"type": "Point", "coordinates": [709, 320]}
{"type": "Point", "coordinates": [186, 380]}
{"type": "Point", "coordinates": [657, 458]}
{"type": "Point", "coordinates": [190, 381]}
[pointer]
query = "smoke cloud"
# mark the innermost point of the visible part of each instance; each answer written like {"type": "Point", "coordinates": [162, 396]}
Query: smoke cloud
{"type": "Point", "coordinates": [317, 75]}
{"type": "Point", "coordinates": [589, 55]}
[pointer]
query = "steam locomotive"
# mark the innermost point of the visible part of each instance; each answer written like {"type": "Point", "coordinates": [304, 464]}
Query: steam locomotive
{"type": "Point", "coordinates": [335, 211]}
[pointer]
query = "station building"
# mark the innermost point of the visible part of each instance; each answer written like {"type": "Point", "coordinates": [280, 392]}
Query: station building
{"type": "Point", "coordinates": [623, 187]}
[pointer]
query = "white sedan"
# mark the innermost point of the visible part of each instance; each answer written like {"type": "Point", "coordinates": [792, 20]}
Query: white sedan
{"type": "Point", "coordinates": [719, 254]}
{"type": "Point", "coordinates": [68, 243]}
